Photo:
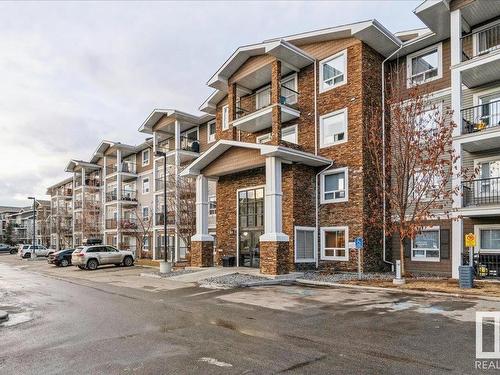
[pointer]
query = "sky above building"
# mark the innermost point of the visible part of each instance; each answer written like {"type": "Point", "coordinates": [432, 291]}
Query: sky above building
{"type": "Point", "coordinates": [75, 73]}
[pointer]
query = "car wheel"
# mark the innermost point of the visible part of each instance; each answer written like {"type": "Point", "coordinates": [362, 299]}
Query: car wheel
{"type": "Point", "coordinates": [13, 251]}
{"type": "Point", "coordinates": [64, 263]}
{"type": "Point", "coordinates": [92, 264]}
{"type": "Point", "coordinates": [27, 255]}
{"type": "Point", "coordinates": [128, 261]}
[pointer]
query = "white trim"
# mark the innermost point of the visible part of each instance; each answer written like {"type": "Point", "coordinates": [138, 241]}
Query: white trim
{"type": "Point", "coordinates": [477, 95]}
{"type": "Point", "coordinates": [142, 212]}
{"type": "Point", "coordinates": [477, 232]}
{"type": "Point", "coordinates": [149, 185]}
{"type": "Point", "coordinates": [296, 131]}
{"type": "Point", "coordinates": [322, 241]}
{"type": "Point", "coordinates": [324, 61]}
{"type": "Point", "coordinates": [197, 128]}
{"type": "Point", "coordinates": [259, 91]}
{"type": "Point", "coordinates": [215, 200]}
{"type": "Point", "coordinates": [149, 157]}
{"type": "Point", "coordinates": [209, 140]}
{"type": "Point", "coordinates": [225, 124]}
{"type": "Point", "coordinates": [475, 44]}
{"type": "Point", "coordinates": [439, 47]}
{"type": "Point", "coordinates": [425, 259]}
{"type": "Point", "coordinates": [321, 131]}
{"type": "Point", "coordinates": [263, 136]}
{"type": "Point", "coordinates": [345, 170]}
{"type": "Point", "coordinates": [292, 77]}
{"type": "Point", "coordinates": [315, 244]}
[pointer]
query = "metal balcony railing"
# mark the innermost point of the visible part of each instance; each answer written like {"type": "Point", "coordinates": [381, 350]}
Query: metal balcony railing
{"type": "Point", "coordinates": [160, 218]}
{"type": "Point", "coordinates": [111, 196]}
{"type": "Point", "coordinates": [128, 224]}
{"type": "Point", "coordinates": [159, 184]}
{"type": "Point", "coordinates": [187, 144]}
{"type": "Point", "coordinates": [111, 224]}
{"type": "Point", "coordinates": [129, 195]}
{"type": "Point", "coordinates": [481, 192]}
{"type": "Point", "coordinates": [78, 204]}
{"type": "Point", "coordinates": [111, 168]}
{"type": "Point", "coordinates": [129, 167]}
{"type": "Point", "coordinates": [480, 117]}
{"type": "Point", "coordinates": [480, 42]}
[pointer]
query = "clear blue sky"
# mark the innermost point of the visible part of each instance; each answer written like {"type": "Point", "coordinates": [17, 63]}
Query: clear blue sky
{"type": "Point", "coordinates": [74, 73]}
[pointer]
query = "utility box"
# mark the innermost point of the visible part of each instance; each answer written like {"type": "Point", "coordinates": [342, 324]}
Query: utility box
{"type": "Point", "coordinates": [466, 277]}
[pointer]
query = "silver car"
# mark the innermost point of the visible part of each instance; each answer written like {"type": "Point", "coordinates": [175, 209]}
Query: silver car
{"type": "Point", "coordinates": [91, 257]}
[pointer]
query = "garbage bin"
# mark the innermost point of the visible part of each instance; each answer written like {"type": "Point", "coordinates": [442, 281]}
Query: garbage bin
{"type": "Point", "coordinates": [466, 276]}
{"type": "Point", "coordinates": [225, 261]}
{"type": "Point", "coordinates": [232, 261]}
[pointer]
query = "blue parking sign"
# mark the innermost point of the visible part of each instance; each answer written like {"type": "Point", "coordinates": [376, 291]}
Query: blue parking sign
{"type": "Point", "coordinates": [358, 242]}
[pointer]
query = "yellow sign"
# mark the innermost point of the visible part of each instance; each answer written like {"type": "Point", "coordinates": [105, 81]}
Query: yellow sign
{"type": "Point", "coordinates": [470, 240]}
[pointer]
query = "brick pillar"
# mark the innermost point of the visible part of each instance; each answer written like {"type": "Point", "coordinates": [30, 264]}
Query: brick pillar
{"type": "Point", "coordinates": [202, 253]}
{"type": "Point", "coordinates": [202, 243]}
{"type": "Point", "coordinates": [231, 101]}
{"type": "Point", "coordinates": [275, 102]}
{"type": "Point", "coordinates": [274, 257]}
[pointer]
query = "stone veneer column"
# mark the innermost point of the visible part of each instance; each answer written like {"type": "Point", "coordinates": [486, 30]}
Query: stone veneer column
{"type": "Point", "coordinates": [274, 244]}
{"type": "Point", "coordinates": [275, 102]}
{"type": "Point", "coordinates": [231, 103]}
{"type": "Point", "coordinates": [202, 243]}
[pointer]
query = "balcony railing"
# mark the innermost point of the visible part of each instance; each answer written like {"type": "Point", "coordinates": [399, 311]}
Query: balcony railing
{"type": "Point", "coordinates": [91, 182]}
{"type": "Point", "coordinates": [128, 224]}
{"type": "Point", "coordinates": [126, 167]}
{"type": "Point", "coordinates": [480, 42]}
{"type": "Point", "coordinates": [129, 195]}
{"type": "Point", "coordinates": [111, 196]}
{"type": "Point", "coordinates": [187, 144]}
{"type": "Point", "coordinates": [111, 224]}
{"type": "Point", "coordinates": [160, 218]}
{"type": "Point", "coordinates": [481, 192]}
{"type": "Point", "coordinates": [159, 184]}
{"type": "Point", "coordinates": [78, 204]}
{"type": "Point", "coordinates": [481, 117]}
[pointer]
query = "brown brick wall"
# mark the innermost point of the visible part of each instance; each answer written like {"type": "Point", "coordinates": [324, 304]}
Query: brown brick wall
{"type": "Point", "coordinates": [273, 258]}
{"type": "Point", "coordinates": [201, 254]}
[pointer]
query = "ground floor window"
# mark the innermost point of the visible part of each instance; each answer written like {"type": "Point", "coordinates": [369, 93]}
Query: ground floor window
{"type": "Point", "coordinates": [489, 238]}
{"type": "Point", "coordinates": [145, 244]}
{"type": "Point", "coordinates": [334, 243]}
{"type": "Point", "coordinates": [305, 244]}
{"type": "Point", "coordinates": [425, 245]}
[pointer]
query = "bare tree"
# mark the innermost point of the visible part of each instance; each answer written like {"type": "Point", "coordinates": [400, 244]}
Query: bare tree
{"type": "Point", "coordinates": [140, 228]}
{"type": "Point", "coordinates": [419, 159]}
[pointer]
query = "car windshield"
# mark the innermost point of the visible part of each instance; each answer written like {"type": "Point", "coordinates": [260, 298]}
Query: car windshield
{"type": "Point", "coordinates": [26, 246]}
{"type": "Point", "coordinates": [78, 249]}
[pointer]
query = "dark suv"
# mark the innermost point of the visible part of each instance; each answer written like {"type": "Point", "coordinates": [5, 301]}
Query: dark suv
{"type": "Point", "coordinates": [61, 258]}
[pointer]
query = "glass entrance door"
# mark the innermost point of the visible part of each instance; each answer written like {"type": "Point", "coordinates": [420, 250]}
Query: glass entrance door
{"type": "Point", "coordinates": [250, 226]}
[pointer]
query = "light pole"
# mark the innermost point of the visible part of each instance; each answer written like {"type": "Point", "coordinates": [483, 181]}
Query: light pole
{"type": "Point", "coordinates": [33, 255]}
{"type": "Point", "coordinates": [165, 265]}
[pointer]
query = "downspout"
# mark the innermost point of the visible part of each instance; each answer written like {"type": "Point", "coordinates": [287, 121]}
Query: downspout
{"type": "Point", "coordinates": [384, 204]}
{"type": "Point", "coordinates": [317, 208]}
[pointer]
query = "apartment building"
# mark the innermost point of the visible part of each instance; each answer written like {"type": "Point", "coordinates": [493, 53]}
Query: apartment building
{"type": "Point", "coordinates": [21, 223]}
{"type": "Point", "coordinates": [61, 214]}
{"type": "Point", "coordinates": [5, 212]}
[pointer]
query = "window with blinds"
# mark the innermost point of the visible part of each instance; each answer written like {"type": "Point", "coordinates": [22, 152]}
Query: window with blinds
{"type": "Point", "coordinates": [305, 238]}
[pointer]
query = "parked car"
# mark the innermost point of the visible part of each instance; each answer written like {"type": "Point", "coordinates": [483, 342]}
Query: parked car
{"type": "Point", "coordinates": [91, 257]}
{"type": "Point", "coordinates": [40, 251]}
{"type": "Point", "coordinates": [61, 258]}
{"type": "Point", "coordinates": [4, 248]}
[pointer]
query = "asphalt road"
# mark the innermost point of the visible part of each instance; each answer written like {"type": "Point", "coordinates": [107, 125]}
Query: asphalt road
{"type": "Point", "coordinates": [111, 321]}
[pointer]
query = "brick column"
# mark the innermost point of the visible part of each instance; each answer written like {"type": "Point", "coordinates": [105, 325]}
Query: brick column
{"type": "Point", "coordinates": [275, 102]}
{"type": "Point", "coordinates": [231, 102]}
{"type": "Point", "coordinates": [273, 243]}
{"type": "Point", "coordinates": [202, 243]}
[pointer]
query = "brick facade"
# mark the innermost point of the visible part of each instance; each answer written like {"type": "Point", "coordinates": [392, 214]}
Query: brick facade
{"type": "Point", "coordinates": [202, 254]}
{"type": "Point", "coordinates": [273, 258]}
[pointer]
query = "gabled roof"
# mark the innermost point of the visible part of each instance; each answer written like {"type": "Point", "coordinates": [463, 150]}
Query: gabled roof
{"type": "Point", "coordinates": [157, 114]}
{"type": "Point", "coordinates": [60, 183]}
{"type": "Point", "coordinates": [74, 163]}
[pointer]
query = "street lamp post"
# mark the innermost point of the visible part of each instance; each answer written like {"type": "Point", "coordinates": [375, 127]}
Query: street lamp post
{"type": "Point", "coordinates": [33, 254]}
{"type": "Point", "coordinates": [165, 265]}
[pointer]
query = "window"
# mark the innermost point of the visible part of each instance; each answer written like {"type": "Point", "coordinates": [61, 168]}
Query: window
{"type": "Point", "coordinates": [211, 132]}
{"type": "Point", "coordinates": [424, 66]}
{"type": "Point", "coordinates": [333, 71]}
{"type": "Point", "coordinates": [334, 243]}
{"type": "Point", "coordinates": [145, 157]}
{"type": "Point", "coordinates": [225, 117]}
{"type": "Point", "coordinates": [145, 186]}
{"type": "Point", "coordinates": [305, 244]}
{"type": "Point", "coordinates": [426, 185]}
{"type": "Point", "coordinates": [145, 213]}
{"type": "Point", "coordinates": [490, 109]}
{"type": "Point", "coordinates": [334, 186]}
{"type": "Point", "coordinates": [289, 134]}
{"type": "Point", "coordinates": [486, 38]}
{"type": "Point", "coordinates": [489, 237]}
{"type": "Point", "coordinates": [114, 241]}
{"type": "Point", "coordinates": [289, 90]}
{"type": "Point", "coordinates": [264, 138]}
{"type": "Point", "coordinates": [425, 246]}
{"type": "Point", "coordinates": [263, 98]}
{"type": "Point", "coordinates": [428, 119]}
{"type": "Point", "coordinates": [145, 244]}
{"type": "Point", "coordinates": [333, 128]}
{"type": "Point", "coordinates": [212, 205]}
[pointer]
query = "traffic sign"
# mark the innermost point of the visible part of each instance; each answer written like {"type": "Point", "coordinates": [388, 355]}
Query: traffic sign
{"type": "Point", "coordinates": [470, 240]}
{"type": "Point", "coordinates": [358, 242]}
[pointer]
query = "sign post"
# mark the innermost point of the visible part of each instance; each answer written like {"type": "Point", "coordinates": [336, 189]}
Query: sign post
{"type": "Point", "coordinates": [466, 273]}
{"type": "Point", "coordinates": [359, 246]}
{"type": "Point", "coordinates": [470, 242]}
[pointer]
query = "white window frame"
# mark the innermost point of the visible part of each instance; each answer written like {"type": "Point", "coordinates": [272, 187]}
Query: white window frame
{"type": "Point", "coordinates": [315, 247]}
{"type": "Point", "coordinates": [321, 131]}
{"type": "Point", "coordinates": [424, 258]}
{"type": "Point", "coordinates": [147, 216]}
{"type": "Point", "coordinates": [475, 37]}
{"type": "Point", "coordinates": [410, 57]}
{"type": "Point", "coordinates": [212, 198]}
{"type": "Point", "coordinates": [258, 92]}
{"type": "Point", "coordinates": [145, 243]}
{"type": "Point", "coordinates": [322, 241]}
{"type": "Point", "coordinates": [211, 137]}
{"type": "Point", "coordinates": [225, 117]}
{"type": "Point", "coordinates": [345, 170]}
{"type": "Point", "coordinates": [295, 130]}
{"type": "Point", "coordinates": [144, 152]}
{"type": "Point", "coordinates": [144, 180]}
{"type": "Point", "coordinates": [324, 61]}
{"type": "Point", "coordinates": [264, 138]}
{"type": "Point", "coordinates": [294, 78]}
{"type": "Point", "coordinates": [477, 232]}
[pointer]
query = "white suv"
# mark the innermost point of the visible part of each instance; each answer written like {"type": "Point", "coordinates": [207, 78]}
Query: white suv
{"type": "Point", "coordinates": [91, 257]}
{"type": "Point", "coordinates": [40, 251]}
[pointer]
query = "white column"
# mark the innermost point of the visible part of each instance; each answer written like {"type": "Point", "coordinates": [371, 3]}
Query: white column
{"type": "Point", "coordinates": [103, 198]}
{"type": "Point", "coordinates": [457, 236]}
{"type": "Point", "coordinates": [119, 188]}
{"type": "Point", "coordinates": [273, 202]}
{"type": "Point", "coordinates": [73, 209]}
{"type": "Point", "coordinates": [202, 210]}
{"type": "Point", "coordinates": [176, 176]}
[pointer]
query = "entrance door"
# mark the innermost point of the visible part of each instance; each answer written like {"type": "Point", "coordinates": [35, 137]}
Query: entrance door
{"type": "Point", "coordinates": [250, 226]}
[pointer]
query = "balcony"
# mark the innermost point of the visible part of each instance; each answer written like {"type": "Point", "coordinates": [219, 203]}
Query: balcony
{"type": "Point", "coordinates": [481, 124]}
{"type": "Point", "coordinates": [160, 216]}
{"type": "Point", "coordinates": [128, 224]}
{"type": "Point", "coordinates": [127, 167]}
{"type": "Point", "coordinates": [481, 192]}
{"type": "Point", "coordinates": [129, 195]}
{"type": "Point", "coordinates": [189, 147]}
{"type": "Point", "coordinates": [111, 224]}
{"type": "Point", "coordinates": [480, 56]}
{"type": "Point", "coordinates": [254, 111]}
{"type": "Point", "coordinates": [90, 182]}
{"type": "Point", "coordinates": [78, 204]}
{"type": "Point", "coordinates": [111, 196]}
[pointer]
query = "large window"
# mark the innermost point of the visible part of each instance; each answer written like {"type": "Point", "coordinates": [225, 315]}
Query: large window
{"type": "Point", "coordinates": [425, 245]}
{"type": "Point", "coordinates": [212, 205]}
{"type": "Point", "coordinates": [333, 128]}
{"type": "Point", "coordinates": [426, 185]}
{"type": "Point", "coordinates": [289, 134]}
{"type": "Point", "coordinates": [211, 132]}
{"type": "Point", "coordinates": [334, 243]}
{"type": "Point", "coordinates": [289, 89]}
{"type": "Point", "coordinates": [305, 244]}
{"type": "Point", "coordinates": [264, 138]}
{"type": "Point", "coordinates": [251, 208]}
{"type": "Point", "coordinates": [424, 66]}
{"type": "Point", "coordinates": [263, 97]}
{"type": "Point", "coordinates": [225, 117]}
{"type": "Point", "coordinates": [145, 186]}
{"type": "Point", "coordinates": [334, 186]}
{"type": "Point", "coordinates": [489, 238]}
{"type": "Point", "coordinates": [333, 71]}
{"type": "Point", "coordinates": [145, 213]}
{"type": "Point", "coordinates": [145, 157]}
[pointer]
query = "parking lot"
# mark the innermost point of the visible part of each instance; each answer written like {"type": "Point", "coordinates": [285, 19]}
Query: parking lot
{"type": "Point", "coordinates": [126, 323]}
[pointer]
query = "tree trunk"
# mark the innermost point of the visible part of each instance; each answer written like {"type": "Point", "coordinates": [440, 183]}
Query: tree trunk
{"type": "Point", "coordinates": [402, 255]}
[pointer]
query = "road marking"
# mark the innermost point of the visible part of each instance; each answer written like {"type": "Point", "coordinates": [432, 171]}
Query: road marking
{"type": "Point", "coordinates": [213, 361]}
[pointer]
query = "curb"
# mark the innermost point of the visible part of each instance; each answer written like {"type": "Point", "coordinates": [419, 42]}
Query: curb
{"type": "Point", "coordinates": [395, 290]}
{"type": "Point", "coordinates": [269, 282]}
{"type": "Point", "coordinates": [4, 316]}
